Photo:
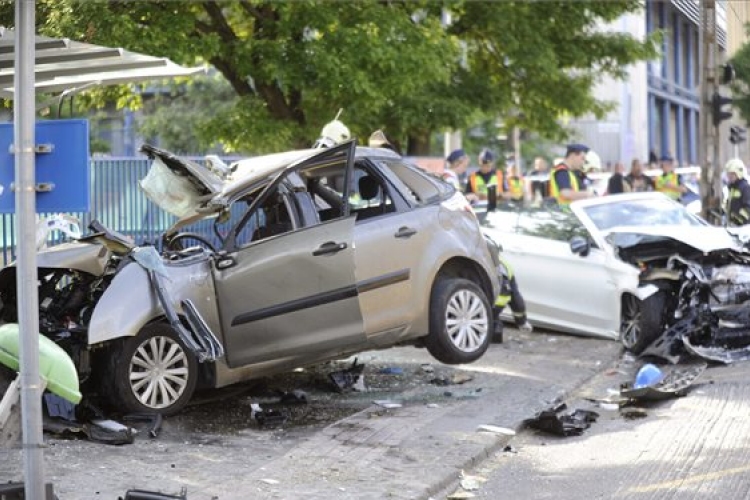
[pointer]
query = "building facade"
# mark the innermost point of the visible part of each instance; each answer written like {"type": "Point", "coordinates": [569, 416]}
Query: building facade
{"type": "Point", "coordinates": [658, 105]}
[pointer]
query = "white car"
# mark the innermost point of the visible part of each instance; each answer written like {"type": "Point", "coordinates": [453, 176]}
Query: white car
{"type": "Point", "coordinates": [628, 267]}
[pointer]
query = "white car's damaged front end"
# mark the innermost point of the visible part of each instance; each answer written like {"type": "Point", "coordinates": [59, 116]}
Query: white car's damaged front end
{"type": "Point", "coordinates": [700, 283]}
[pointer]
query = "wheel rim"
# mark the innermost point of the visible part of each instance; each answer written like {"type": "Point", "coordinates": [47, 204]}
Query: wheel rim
{"type": "Point", "coordinates": [466, 321]}
{"type": "Point", "coordinates": [159, 372]}
{"type": "Point", "coordinates": [630, 329]}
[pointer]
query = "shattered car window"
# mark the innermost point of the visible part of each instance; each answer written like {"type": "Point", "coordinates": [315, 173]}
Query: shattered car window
{"type": "Point", "coordinates": [419, 187]}
{"type": "Point", "coordinates": [651, 212]}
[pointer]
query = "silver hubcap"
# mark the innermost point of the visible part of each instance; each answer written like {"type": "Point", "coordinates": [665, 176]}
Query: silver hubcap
{"type": "Point", "coordinates": [466, 321]}
{"type": "Point", "coordinates": [159, 372]}
{"type": "Point", "coordinates": [630, 330]}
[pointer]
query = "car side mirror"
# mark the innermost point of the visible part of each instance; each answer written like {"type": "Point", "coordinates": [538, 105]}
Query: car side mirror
{"type": "Point", "coordinates": [580, 246]}
{"type": "Point", "coordinates": [491, 198]}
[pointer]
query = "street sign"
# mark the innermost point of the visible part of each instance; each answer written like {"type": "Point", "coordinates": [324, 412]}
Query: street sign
{"type": "Point", "coordinates": [63, 176]}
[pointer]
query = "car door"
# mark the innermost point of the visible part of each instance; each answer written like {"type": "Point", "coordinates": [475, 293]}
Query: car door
{"type": "Point", "coordinates": [290, 292]}
{"type": "Point", "coordinates": [390, 238]}
{"type": "Point", "coordinates": [561, 288]}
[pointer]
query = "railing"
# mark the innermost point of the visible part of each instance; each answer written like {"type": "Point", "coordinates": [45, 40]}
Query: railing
{"type": "Point", "coordinates": [117, 202]}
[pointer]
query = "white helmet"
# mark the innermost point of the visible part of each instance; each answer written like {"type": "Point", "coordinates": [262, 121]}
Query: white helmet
{"type": "Point", "coordinates": [334, 132]}
{"type": "Point", "coordinates": [592, 162]}
{"type": "Point", "coordinates": [735, 166]}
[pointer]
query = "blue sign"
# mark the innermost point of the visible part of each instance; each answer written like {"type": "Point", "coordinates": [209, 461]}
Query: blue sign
{"type": "Point", "coordinates": [63, 176]}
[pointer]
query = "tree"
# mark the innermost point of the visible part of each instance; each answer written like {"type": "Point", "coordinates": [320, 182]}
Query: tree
{"type": "Point", "coordinates": [741, 84]}
{"type": "Point", "coordinates": [390, 64]}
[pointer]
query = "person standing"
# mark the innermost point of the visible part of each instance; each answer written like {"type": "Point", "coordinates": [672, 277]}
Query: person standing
{"type": "Point", "coordinates": [540, 185]}
{"type": "Point", "coordinates": [615, 185]}
{"type": "Point", "coordinates": [486, 176]}
{"type": "Point", "coordinates": [456, 165]}
{"type": "Point", "coordinates": [516, 184]}
{"type": "Point", "coordinates": [669, 182]}
{"type": "Point", "coordinates": [636, 181]}
{"type": "Point", "coordinates": [564, 185]}
{"type": "Point", "coordinates": [737, 205]}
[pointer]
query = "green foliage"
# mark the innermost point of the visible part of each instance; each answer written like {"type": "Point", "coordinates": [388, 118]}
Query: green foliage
{"type": "Point", "coordinates": [390, 64]}
{"type": "Point", "coordinates": [741, 85]}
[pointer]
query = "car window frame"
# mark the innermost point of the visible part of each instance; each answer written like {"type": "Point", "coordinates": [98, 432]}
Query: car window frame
{"type": "Point", "coordinates": [346, 149]}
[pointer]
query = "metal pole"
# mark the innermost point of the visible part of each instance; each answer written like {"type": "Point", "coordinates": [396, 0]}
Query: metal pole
{"type": "Point", "coordinates": [28, 298]}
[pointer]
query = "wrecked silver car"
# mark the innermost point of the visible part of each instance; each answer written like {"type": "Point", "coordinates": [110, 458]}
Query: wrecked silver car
{"type": "Point", "coordinates": [314, 255]}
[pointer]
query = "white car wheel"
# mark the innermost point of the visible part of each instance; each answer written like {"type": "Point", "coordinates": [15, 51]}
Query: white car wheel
{"type": "Point", "coordinates": [466, 320]}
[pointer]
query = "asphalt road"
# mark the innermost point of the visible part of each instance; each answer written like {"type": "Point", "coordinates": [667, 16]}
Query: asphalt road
{"type": "Point", "coordinates": [693, 447]}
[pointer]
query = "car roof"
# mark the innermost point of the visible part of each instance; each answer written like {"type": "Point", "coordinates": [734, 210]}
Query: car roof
{"type": "Point", "coordinates": [249, 170]}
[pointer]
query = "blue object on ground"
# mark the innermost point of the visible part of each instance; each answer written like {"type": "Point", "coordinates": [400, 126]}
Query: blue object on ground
{"type": "Point", "coordinates": [392, 370]}
{"type": "Point", "coordinates": [648, 376]}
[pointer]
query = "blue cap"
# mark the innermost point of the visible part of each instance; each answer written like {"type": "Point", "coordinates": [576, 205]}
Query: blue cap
{"type": "Point", "coordinates": [577, 148]}
{"type": "Point", "coordinates": [486, 156]}
{"type": "Point", "coordinates": [666, 157]}
{"type": "Point", "coordinates": [455, 155]}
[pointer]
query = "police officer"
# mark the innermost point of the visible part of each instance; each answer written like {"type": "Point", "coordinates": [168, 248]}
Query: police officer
{"type": "Point", "coordinates": [738, 200]}
{"type": "Point", "coordinates": [564, 184]}
{"type": "Point", "coordinates": [516, 184]}
{"type": "Point", "coordinates": [486, 176]}
{"type": "Point", "coordinates": [669, 182]}
{"type": "Point", "coordinates": [456, 164]}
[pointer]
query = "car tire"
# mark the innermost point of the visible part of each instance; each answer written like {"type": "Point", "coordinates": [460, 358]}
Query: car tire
{"type": "Point", "coordinates": [642, 321]}
{"type": "Point", "coordinates": [153, 372]}
{"type": "Point", "coordinates": [460, 321]}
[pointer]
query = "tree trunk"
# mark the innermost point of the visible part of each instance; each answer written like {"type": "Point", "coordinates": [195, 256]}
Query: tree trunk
{"type": "Point", "coordinates": [418, 143]}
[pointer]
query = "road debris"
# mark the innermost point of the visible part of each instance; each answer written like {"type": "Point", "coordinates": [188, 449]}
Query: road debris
{"type": "Point", "coordinates": [633, 413]}
{"type": "Point", "coordinates": [154, 495]}
{"type": "Point", "coordinates": [295, 397]}
{"type": "Point", "coordinates": [270, 481]}
{"type": "Point", "coordinates": [387, 403]}
{"type": "Point", "coordinates": [496, 430]}
{"type": "Point", "coordinates": [675, 383]}
{"type": "Point", "coordinates": [349, 379]}
{"type": "Point", "coordinates": [391, 370]}
{"type": "Point", "coordinates": [571, 424]}
{"type": "Point", "coordinates": [453, 379]}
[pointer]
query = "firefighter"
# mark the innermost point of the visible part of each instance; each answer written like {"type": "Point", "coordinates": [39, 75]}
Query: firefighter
{"type": "Point", "coordinates": [509, 295]}
{"type": "Point", "coordinates": [564, 184]}
{"type": "Point", "coordinates": [738, 200]}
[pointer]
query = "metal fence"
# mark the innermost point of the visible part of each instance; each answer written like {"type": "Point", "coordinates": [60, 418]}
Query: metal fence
{"type": "Point", "coordinates": [117, 202]}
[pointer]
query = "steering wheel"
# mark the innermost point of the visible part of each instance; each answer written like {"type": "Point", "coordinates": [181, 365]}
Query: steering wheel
{"type": "Point", "coordinates": [175, 243]}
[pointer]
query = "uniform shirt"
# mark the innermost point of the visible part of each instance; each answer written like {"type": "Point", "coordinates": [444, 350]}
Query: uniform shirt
{"type": "Point", "coordinates": [738, 203]}
{"type": "Point", "coordinates": [487, 177]}
{"type": "Point", "coordinates": [451, 178]}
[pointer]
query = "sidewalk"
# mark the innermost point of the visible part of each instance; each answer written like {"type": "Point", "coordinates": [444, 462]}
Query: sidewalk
{"type": "Point", "coordinates": [417, 450]}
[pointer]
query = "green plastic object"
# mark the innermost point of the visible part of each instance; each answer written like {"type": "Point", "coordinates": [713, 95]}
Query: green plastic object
{"type": "Point", "coordinates": [55, 366]}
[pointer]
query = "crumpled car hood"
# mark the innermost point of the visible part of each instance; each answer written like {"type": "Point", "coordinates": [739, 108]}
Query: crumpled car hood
{"type": "Point", "coordinates": [671, 239]}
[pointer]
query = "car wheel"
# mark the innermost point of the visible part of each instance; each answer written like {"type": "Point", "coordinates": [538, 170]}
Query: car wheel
{"type": "Point", "coordinates": [154, 372]}
{"type": "Point", "coordinates": [460, 321]}
{"type": "Point", "coordinates": [642, 321]}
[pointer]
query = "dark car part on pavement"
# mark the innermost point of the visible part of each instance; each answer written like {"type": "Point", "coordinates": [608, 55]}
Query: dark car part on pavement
{"type": "Point", "coordinates": [16, 491]}
{"type": "Point", "coordinates": [155, 421]}
{"type": "Point", "coordinates": [349, 379]}
{"type": "Point", "coordinates": [154, 495]}
{"type": "Point", "coordinates": [570, 424]}
{"type": "Point", "coordinates": [676, 383]}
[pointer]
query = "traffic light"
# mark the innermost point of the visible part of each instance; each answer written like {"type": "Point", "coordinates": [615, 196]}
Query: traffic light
{"type": "Point", "coordinates": [718, 101]}
{"type": "Point", "coordinates": [727, 74]}
{"type": "Point", "coordinates": [737, 135]}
